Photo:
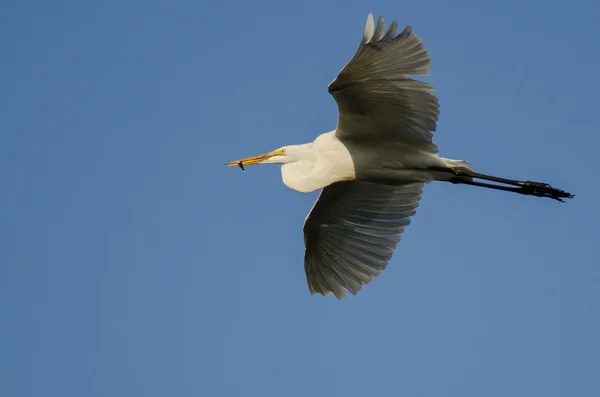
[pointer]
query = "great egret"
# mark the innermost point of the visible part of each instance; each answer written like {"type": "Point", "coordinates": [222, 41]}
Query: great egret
{"type": "Point", "coordinates": [373, 166]}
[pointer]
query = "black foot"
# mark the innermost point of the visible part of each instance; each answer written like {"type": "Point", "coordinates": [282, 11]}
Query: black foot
{"type": "Point", "coordinates": [540, 189]}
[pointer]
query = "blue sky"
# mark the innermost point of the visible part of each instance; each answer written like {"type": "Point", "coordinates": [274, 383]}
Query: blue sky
{"type": "Point", "coordinates": [133, 263]}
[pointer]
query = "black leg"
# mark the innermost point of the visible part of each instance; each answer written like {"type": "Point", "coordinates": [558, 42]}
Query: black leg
{"type": "Point", "coordinates": [555, 194]}
{"type": "Point", "coordinates": [538, 189]}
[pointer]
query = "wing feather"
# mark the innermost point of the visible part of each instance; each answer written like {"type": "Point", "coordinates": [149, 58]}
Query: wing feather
{"type": "Point", "coordinates": [352, 231]}
{"type": "Point", "coordinates": [377, 99]}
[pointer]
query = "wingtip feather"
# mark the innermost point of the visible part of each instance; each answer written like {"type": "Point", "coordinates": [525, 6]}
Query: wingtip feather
{"type": "Point", "coordinates": [369, 29]}
{"type": "Point", "coordinates": [391, 33]}
{"type": "Point", "coordinates": [379, 29]}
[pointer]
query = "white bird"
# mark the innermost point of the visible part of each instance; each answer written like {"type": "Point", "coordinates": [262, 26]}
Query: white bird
{"type": "Point", "coordinates": [373, 166]}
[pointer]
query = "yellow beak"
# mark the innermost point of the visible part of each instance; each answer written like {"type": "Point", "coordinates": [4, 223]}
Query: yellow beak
{"type": "Point", "coordinates": [255, 159]}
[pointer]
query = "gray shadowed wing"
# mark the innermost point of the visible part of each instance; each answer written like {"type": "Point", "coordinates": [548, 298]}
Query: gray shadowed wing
{"type": "Point", "coordinates": [352, 231]}
{"type": "Point", "coordinates": [377, 100]}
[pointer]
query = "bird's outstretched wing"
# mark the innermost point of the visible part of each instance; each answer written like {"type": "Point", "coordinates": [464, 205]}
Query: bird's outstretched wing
{"type": "Point", "coordinates": [352, 231]}
{"type": "Point", "coordinates": [377, 100]}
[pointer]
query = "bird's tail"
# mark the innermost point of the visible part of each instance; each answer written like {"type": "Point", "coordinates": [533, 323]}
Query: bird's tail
{"type": "Point", "coordinates": [458, 166]}
{"type": "Point", "coordinates": [461, 165]}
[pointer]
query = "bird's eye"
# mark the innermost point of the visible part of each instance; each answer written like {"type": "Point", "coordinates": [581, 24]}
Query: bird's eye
{"type": "Point", "coordinates": [282, 151]}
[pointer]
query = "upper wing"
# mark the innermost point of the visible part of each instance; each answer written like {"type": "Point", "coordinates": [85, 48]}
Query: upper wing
{"type": "Point", "coordinates": [352, 231]}
{"type": "Point", "coordinates": [376, 98]}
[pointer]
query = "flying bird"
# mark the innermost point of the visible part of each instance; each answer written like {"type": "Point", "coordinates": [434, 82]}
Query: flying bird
{"type": "Point", "coordinates": [373, 166]}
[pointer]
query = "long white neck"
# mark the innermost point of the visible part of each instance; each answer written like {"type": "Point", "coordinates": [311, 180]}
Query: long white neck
{"type": "Point", "coordinates": [300, 176]}
{"type": "Point", "coordinates": [298, 173]}
{"type": "Point", "coordinates": [320, 164]}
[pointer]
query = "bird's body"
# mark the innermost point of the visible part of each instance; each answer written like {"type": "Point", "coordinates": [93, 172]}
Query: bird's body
{"type": "Point", "coordinates": [333, 160]}
{"type": "Point", "coordinates": [373, 166]}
